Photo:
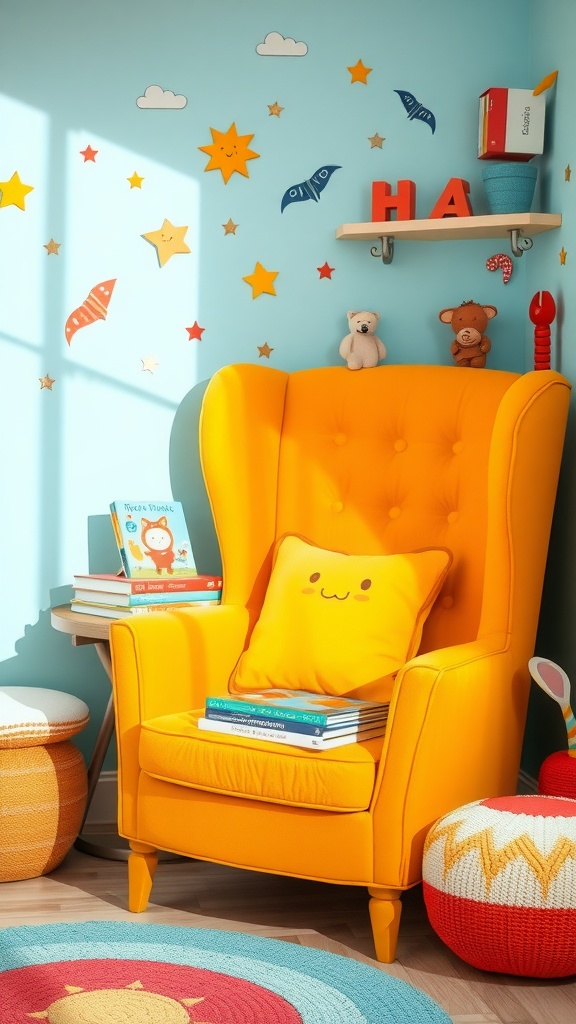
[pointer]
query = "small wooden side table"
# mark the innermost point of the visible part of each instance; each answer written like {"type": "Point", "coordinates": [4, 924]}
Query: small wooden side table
{"type": "Point", "coordinates": [95, 630]}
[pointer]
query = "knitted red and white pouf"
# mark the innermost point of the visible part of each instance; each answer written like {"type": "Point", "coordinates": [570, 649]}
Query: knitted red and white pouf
{"type": "Point", "coordinates": [500, 884]}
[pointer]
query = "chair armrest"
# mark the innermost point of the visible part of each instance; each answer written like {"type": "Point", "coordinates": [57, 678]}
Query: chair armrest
{"type": "Point", "coordinates": [171, 661]}
{"type": "Point", "coordinates": [454, 735]}
{"type": "Point", "coordinates": [164, 663]}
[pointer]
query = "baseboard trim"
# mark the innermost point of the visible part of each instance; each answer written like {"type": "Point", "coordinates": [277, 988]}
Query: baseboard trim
{"type": "Point", "coordinates": [104, 807]}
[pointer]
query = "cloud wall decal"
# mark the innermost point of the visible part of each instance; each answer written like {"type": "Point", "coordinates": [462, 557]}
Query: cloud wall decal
{"type": "Point", "coordinates": [275, 45]}
{"type": "Point", "coordinates": [157, 98]}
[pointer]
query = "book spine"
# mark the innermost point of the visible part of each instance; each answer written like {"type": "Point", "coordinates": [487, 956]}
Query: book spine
{"type": "Point", "coordinates": [251, 732]}
{"type": "Point", "coordinates": [270, 711]}
{"type": "Point", "coordinates": [182, 597]}
{"type": "Point", "coordinates": [142, 609]}
{"type": "Point", "coordinates": [269, 724]}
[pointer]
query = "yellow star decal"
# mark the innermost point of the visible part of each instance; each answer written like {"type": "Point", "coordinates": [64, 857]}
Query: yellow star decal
{"type": "Point", "coordinates": [135, 181]}
{"type": "Point", "coordinates": [567, 173]}
{"type": "Point", "coordinates": [229, 227]}
{"type": "Point", "coordinates": [274, 109]}
{"type": "Point", "coordinates": [46, 382]}
{"type": "Point", "coordinates": [168, 241]}
{"type": "Point", "coordinates": [261, 281]}
{"type": "Point", "coordinates": [563, 254]}
{"type": "Point", "coordinates": [264, 350]}
{"type": "Point", "coordinates": [229, 152]}
{"type": "Point", "coordinates": [376, 141]}
{"type": "Point", "coordinates": [149, 363]}
{"type": "Point", "coordinates": [52, 247]}
{"type": "Point", "coordinates": [13, 192]}
{"type": "Point", "coordinates": [359, 73]}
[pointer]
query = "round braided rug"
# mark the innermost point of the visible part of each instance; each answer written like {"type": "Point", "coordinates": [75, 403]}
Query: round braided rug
{"type": "Point", "coordinates": [101, 972]}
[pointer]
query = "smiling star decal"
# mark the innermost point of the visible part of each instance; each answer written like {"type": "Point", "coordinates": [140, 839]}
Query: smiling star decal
{"type": "Point", "coordinates": [229, 152]}
{"type": "Point", "coordinates": [168, 240]}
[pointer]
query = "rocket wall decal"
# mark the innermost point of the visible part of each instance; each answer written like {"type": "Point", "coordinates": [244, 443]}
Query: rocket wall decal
{"type": "Point", "coordinates": [94, 307]}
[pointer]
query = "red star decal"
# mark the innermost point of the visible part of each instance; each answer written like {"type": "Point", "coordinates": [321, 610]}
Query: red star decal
{"type": "Point", "coordinates": [195, 331]}
{"type": "Point", "coordinates": [325, 271]}
{"type": "Point", "coordinates": [89, 154]}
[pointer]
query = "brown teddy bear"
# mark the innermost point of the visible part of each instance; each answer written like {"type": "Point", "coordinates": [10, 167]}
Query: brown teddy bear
{"type": "Point", "coordinates": [468, 321]}
{"type": "Point", "coordinates": [361, 347]}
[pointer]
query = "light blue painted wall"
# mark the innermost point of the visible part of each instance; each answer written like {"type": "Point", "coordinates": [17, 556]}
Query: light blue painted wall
{"type": "Point", "coordinates": [70, 75]}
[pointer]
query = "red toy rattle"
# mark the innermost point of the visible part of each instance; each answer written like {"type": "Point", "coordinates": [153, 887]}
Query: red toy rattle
{"type": "Point", "coordinates": [542, 312]}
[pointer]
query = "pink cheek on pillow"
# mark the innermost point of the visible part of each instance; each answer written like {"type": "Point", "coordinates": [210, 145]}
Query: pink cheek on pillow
{"type": "Point", "coordinates": [309, 590]}
{"type": "Point", "coordinates": [361, 597]}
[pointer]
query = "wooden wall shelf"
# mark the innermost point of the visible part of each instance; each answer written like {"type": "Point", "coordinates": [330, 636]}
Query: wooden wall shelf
{"type": "Point", "coordinates": [451, 229]}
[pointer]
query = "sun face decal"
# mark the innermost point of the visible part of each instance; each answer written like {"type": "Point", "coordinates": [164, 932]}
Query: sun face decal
{"type": "Point", "coordinates": [229, 152]}
{"type": "Point", "coordinates": [129, 1005]}
{"type": "Point", "coordinates": [329, 593]}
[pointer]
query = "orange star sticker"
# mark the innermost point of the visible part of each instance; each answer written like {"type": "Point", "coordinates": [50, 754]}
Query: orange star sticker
{"type": "Point", "coordinates": [261, 281]}
{"type": "Point", "coordinates": [195, 331]}
{"type": "Point", "coordinates": [89, 154]}
{"type": "Point", "coordinates": [563, 254]}
{"type": "Point", "coordinates": [229, 227]}
{"type": "Point", "coordinates": [264, 350]}
{"type": "Point", "coordinates": [325, 271]}
{"type": "Point", "coordinates": [376, 141]}
{"type": "Point", "coordinates": [229, 152]}
{"type": "Point", "coordinates": [275, 109]}
{"type": "Point", "coordinates": [46, 382]}
{"type": "Point", "coordinates": [52, 247]}
{"type": "Point", "coordinates": [135, 181]}
{"type": "Point", "coordinates": [359, 73]}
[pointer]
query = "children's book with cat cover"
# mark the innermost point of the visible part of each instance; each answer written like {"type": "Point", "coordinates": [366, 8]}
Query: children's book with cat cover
{"type": "Point", "coordinates": [152, 538]}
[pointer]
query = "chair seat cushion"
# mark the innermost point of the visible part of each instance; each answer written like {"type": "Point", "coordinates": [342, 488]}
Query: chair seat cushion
{"type": "Point", "coordinates": [174, 749]}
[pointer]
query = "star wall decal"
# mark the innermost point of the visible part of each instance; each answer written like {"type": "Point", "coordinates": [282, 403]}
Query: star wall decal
{"type": "Point", "coordinates": [261, 280]}
{"type": "Point", "coordinates": [168, 241]}
{"type": "Point", "coordinates": [230, 227]}
{"type": "Point", "coordinates": [135, 181]}
{"type": "Point", "coordinates": [14, 192]}
{"type": "Point", "coordinates": [376, 141]}
{"type": "Point", "coordinates": [195, 332]}
{"type": "Point", "coordinates": [149, 363]}
{"type": "Point", "coordinates": [229, 152]}
{"type": "Point", "coordinates": [325, 271]}
{"type": "Point", "coordinates": [46, 382]}
{"type": "Point", "coordinates": [275, 109]}
{"type": "Point", "coordinates": [563, 254]}
{"type": "Point", "coordinates": [52, 247]}
{"type": "Point", "coordinates": [359, 73]}
{"type": "Point", "coordinates": [89, 154]}
{"type": "Point", "coordinates": [264, 350]}
{"type": "Point", "coordinates": [567, 173]}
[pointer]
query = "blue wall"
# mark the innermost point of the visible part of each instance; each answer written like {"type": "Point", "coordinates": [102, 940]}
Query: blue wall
{"type": "Point", "coordinates": [70, 78]}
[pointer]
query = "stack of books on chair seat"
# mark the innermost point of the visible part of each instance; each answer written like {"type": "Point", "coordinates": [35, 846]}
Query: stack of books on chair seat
{"type": "Point", "coordinates": [296, 717]}
{"type": "Point", "coordinates": [115, 597]}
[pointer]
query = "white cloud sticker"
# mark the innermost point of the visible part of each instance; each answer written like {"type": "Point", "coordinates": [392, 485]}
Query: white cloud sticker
{"type": "Point", "coordinates": [275, 45]}
{"type": "Point", "coordinates": [157, 98]}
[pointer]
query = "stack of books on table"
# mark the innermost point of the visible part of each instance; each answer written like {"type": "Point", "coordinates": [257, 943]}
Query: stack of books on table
{"type": "Point", "coordinates": [115, 597]}
{"type": "Point", "coordinates": [297, 718]}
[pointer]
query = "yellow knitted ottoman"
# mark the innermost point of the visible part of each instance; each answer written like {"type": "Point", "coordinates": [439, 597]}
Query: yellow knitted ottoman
{"type": "Point", "coordinates": [42, 779]}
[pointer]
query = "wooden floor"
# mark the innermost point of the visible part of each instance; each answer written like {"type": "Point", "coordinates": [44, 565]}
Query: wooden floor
{"type": "Point", "coordinates": [333, 918]}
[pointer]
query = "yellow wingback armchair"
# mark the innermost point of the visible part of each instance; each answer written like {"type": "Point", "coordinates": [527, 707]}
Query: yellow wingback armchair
{"type": "Point", "coordinates": [385, 460]}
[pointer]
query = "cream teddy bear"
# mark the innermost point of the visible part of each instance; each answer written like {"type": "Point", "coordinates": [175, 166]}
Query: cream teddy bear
{"type": "Point", "coordinates": [361, 347]}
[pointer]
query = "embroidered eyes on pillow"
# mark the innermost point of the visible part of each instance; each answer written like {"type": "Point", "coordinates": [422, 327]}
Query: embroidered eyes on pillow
{"type": "Point", "coordinates": [339, 624]}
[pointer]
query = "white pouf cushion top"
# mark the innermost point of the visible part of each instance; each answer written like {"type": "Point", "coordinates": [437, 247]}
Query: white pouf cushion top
{"type": "Point", "coordinates": [31, 716]}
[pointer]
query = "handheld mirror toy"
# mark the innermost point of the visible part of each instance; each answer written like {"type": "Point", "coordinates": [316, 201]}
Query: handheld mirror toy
{"type": "Point", "coordinates": [556, 684]}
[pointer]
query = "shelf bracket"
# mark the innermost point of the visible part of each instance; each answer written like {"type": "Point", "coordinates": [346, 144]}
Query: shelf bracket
{"type": "Point", "coordinates": [518, 242]}
{"type": "Point", "coordinates": [386, 252]}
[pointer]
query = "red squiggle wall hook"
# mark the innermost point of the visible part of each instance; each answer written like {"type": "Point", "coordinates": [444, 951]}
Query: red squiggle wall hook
{"type": "Point", "coordinates": [542, 312]}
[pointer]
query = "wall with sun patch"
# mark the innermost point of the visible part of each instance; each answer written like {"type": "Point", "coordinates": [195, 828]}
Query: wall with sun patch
{"type": "Point", "coordinates": [171, 180]}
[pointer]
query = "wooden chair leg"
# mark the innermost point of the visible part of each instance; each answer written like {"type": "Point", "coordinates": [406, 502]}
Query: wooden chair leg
{"type": "Point", "coordinates": [385, 910]}
{"type": "Point", "coordinates": [142, 864]}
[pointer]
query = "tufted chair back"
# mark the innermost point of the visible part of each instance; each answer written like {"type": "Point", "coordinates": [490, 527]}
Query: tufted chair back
{"type": "Point", "coordinates": [388, 460]}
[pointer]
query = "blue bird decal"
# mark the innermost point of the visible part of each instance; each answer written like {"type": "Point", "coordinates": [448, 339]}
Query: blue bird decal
{"type": "Point", "coordinates": [416, 110]}
{"type": "Point", "coordinates": [311, 188]}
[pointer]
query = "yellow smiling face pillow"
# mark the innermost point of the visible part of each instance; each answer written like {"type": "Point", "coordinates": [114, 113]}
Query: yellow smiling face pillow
{"type": "Point", "coordinates": [339, 624]}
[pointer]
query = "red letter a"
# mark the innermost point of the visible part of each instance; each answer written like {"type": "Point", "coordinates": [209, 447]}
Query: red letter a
{"type": "Point", "coordinates": [454, 200]}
